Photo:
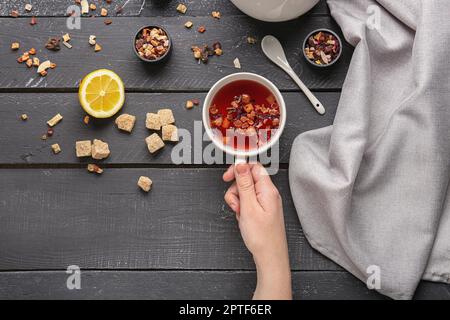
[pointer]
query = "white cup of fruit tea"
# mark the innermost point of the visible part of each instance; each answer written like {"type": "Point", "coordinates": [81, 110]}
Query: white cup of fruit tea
{"type": "Point", "coordinates": [244, 114]}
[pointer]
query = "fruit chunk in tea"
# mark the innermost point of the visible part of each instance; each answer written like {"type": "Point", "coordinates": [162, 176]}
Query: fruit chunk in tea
{"type": "Point", "coordinates": [245, 114]}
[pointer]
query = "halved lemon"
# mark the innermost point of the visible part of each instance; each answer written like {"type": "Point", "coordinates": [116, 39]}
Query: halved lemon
{"type": "Point", "coordinates": [101, 93]}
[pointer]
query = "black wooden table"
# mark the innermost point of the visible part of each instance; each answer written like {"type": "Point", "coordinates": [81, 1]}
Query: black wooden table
{"type": "Point", "coordinates": [180, 241]}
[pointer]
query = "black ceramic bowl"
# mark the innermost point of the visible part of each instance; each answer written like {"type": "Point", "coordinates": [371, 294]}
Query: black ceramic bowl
{"type": "Point", "coordinates": [338, 54]}
{"type": "Point", "coordinates": [161, 58]}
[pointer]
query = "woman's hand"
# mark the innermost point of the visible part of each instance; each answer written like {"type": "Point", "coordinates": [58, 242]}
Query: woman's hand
{"type": "Point", "coordinates": [259, 211]}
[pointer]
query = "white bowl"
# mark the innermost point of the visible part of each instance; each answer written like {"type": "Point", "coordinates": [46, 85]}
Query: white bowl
{"type": "Point", "coordinates": [217, 140]}
{"type": "Point", "coordinates": [274, 10]}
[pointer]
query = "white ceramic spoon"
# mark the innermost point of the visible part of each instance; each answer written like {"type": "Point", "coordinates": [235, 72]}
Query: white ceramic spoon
{"type": "Point", "coordinates": [274, 51]}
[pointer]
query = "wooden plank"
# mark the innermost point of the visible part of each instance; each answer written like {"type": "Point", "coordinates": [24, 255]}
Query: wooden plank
{"type": "Point", "coordinates": [181, 72]}
{"type": "Point", "coordinates": [50, 219]}
{"type": "Point", "coordinates": [21, 140]}
{"type": "Point", "coordinates": [189, 285]}
{"type": "Point", "coordinates": [141, 8]}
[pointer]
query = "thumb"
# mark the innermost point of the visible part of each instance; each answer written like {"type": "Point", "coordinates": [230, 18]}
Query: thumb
{"type": "Point", "coordinates": [245, 185]}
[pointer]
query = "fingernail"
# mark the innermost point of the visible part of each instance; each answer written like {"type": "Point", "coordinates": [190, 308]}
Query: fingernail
{"type": "Point", "coordinates": [242, 169]}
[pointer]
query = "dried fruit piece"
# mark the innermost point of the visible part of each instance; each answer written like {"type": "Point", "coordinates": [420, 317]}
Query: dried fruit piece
{"type": "Point", "coordinates": [196, 102]}
{"type": "Point", "coordinates": [145, 183]}
{"type": "Point", "coordinates": [53, 44]}
{"type": "Point", "coordinates": [169, 133]}
{"type": "Point", "coordinates": [35, 62]}
{"type": "Point", "coordinates": [55, 120]}
{"type": "Point", "coordinates": [67, 45]}
{"type": "Point", "coordinates": [86, 119]}
{"type": "Point", "coordinates": [97, 47]}
{"type": "Point", "coordinates": [91, 167]}
{"type": "Point", "coordinates": [188, 24]}
{"type": "Point", "coordinates": [181, 8]}
{"type": "Point", "coordinates": [23, 57]}
{"type": "Point", "coordinates": [24, 117]}
{"type": "Point", "coordinates": [100, 149]}
{"type": "Point", "coordinates": [251, 40]}
{"type": "Point", "coordinates": [56, 148]}
{"type": "Point", "coordinates": [202, 54]}
{"type": "Point", "coordinates": [197, 52]}
{"type": "Point", "coordinates": [237, 63]}
{"type": "Point", "coordinates": [44, 137]}
{"type": "Point", "coordinates": [93, 7]}
{"type": "Point", "coordinates": [92, 40]}
{"type": "Point", "coordinates": [84, 6]}
{"type": "Point", "coordinates": [104, 12]}
{"type": "Point", "coordinates": [217, 49]}
{"type": "Point", "coordinates": [14, 13]}
{"type": "Point", "coordinates": [125, 122]}
{"type": "Point", "coordinates": [33, 21]}
{"type": "Point", "coordinates": [66, 37]}
{"type": "Point", "coordinates": [154, 143]}
{"type": "Point", "coordinates": [50, 132]}
{"type": "Point", "coordinates": [44, 66]}
{"type": "Point", "coordinates": [83, 148]}
{"type": "Point", "coordinates": [32, 51]}
{"type": "Point", "coordinates": [107, 21]}
{"type": "Point", "coordinates": [189, 104]}
{"type": "Point", "coordinates": [213, 109]}
{"type": "Point", "coordinates": [28, 7]}
{"type": "Point", "coordinates": [216, 14]}
{"type": "Point", "coordinates": [201, 29]}
{"type": "Point", "coordinates": [29, 63]}
{"type": "Point", "coordinates": [15, 46]}
{"type": "Point", "coordinates": [43, 73]}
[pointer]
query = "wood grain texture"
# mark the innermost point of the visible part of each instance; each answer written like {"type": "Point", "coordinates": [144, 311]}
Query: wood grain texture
{"type": "Point", "coordinates": [312, 285]}
{"type": "Point", "coordinates": [21, 140]}
{"type": "Point", "coordinates": [181, 72]}
{"type": "Point", "coordinates": [53, 218]}
{"type": "Point", "coordinates": [143, 8]}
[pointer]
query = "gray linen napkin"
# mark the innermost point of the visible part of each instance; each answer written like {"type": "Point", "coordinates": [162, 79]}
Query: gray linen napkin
{"type": "Point", "coordinates": [372, 189]}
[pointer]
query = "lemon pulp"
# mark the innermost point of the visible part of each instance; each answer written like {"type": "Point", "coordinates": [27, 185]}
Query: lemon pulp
{"type": "Point", "coordinates": [102, 93]}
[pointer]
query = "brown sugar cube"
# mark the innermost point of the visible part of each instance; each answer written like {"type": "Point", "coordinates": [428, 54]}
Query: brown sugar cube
{"type": "Point", "coordinates": [125, 122]}
{"type": "Point", "coordinates": [153, 121]}
{"type": "Point", "coordinates": [83, 148]}
{"type": "Point", "coordinates": [154, 143]}
{"type": "Point", "coordinates": [170, 133]}
{"type": "Point", "coordinates": [145, 183]}
{"type": "Point", "coordinates": [166, 116]}
{"type": "Point", "coordinates": [100, 149]}
{"type": "Point", "coordinates": [56, 148]}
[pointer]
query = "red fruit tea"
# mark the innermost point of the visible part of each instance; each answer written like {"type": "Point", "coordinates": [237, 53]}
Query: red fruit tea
{"type": "Point", "coordinates": [244, 114]}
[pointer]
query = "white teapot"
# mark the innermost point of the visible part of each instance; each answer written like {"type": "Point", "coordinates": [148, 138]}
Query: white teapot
{"type": "Point", "coordinates": [274, 10]}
